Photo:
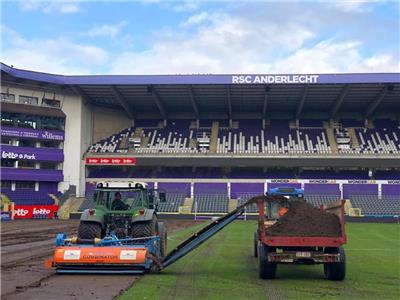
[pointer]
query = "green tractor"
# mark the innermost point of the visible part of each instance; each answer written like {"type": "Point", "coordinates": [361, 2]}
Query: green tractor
{"type": "Point", "coordinates": [126, 209]}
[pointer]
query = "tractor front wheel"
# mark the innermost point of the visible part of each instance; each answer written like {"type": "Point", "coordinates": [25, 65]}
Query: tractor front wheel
{"type": "Point", "coordinates": [89, 230]}
{"type": "Point", "coordinates": [162, 232]}
{"type": "Point", "coordinates": [145, 228]}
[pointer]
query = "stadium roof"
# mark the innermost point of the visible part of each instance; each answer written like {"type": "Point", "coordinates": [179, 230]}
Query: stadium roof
{"type": "Point", "coordinates": [227, 96]}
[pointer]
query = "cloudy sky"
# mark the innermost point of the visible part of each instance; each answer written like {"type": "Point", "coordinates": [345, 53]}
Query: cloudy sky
{"type": "Point", "coordinates": [181, 37]}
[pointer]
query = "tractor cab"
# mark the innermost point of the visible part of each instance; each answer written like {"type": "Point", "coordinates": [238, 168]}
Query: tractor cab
{"type": "Point", "coordinates": [125, 208]}
{"type": "Point", "coordinates": [127, 198]}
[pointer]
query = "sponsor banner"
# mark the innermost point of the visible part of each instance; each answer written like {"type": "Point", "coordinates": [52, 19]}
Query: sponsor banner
{"type": "Point", "coordinates": [35, 211]}
{"type": "Point", "coordinates": [284, 181]}
{"type": "Point", "coordinates": [28, 153]}
{"type": "Point", "coordinates": [330, 181]}
{"type": "Point", "coordinates": [361, 181]}
{"type": "Point", "coordinates": [29, 133]}
{"type": "Point", "coordinates": [393, 182]}
{"type": "Point", "coordinates": [110, 161]}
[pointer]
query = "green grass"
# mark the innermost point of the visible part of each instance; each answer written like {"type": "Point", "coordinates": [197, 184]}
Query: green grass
{"type": "Point", "coordinates": [224, 268]}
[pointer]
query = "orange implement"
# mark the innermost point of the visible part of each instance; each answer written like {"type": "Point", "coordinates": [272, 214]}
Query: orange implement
{"type": "Point", "coordinates": [78, 257]}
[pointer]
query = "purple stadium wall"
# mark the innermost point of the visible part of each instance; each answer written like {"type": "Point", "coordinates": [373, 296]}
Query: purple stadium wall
{"type": "Point", "coordinates": [242, 188]}
{"type": "Point", "coordinates": [175, 187]}
{"type": "Point", "coordinates": [359, 189]}
{"type": "Point", "coordinates": [328, 189]}
{"type": "Point", "coordinates": [391, 190]}
{"type": "Point", "coordinates": [206, 188]}
{"type": "Point", "coordinates": [31, 174]}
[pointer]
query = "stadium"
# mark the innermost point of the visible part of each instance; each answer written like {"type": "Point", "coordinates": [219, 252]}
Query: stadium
{"type": "Point", "coordinates": [211, 143]}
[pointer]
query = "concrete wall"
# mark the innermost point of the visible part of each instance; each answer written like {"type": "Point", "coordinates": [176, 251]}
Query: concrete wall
{"type": "Point", "coordinates": [86, 141]}
{"type": "Point", "coordinates": [23, 91]}
{"type": "Point", "coordinates": [108, 121]}
{"type": "Point", "coordinates": [77, 136]}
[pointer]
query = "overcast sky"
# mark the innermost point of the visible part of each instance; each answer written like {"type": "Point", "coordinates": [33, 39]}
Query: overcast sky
{"type": "Point", "coordinates": [181, 37]}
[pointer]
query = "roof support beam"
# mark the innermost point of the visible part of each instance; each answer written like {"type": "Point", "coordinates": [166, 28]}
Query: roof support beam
{"type": "Point", "coordinates": [375, 103]}
{"type": "Point", "coordinates": [193, 101]}
{"type": "Point", "coordinates": [264, 111]}
{"type": "Point", "coordinates": [158, 102]}
{"type": "Point", "coordinates": [301, 103]}
{"type": "Point", "coordinates": [79, 92]}
{"type": "Point", "coordinates": [228, 93]}
{"type": "Point", "coordinates": [121, 99]}
{"type": "Point", "coordinates": [336, 106]}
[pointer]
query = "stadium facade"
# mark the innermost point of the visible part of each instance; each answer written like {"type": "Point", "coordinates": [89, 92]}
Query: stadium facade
{"type": "Point", "coordinates": [200, 132]}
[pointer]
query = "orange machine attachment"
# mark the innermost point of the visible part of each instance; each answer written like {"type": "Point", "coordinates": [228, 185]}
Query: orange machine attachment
{"type": "Point", "coordinates": [103, 255]}
{"type": "Point", "coordinates": [76, 259]}
{"type": "Point", "coordinates": [101, 258]}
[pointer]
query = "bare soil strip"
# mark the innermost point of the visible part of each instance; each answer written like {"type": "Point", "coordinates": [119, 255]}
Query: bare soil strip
{"type": "Point", "coordinates": [25, 245]}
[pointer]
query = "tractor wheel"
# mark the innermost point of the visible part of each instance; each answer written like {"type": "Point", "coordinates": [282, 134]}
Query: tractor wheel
{"type": "Point", "coordinates": [255, 244]}
{"type": "Point", "coordinates": [163, 238]}
{"type": "Point", "coordinates": [89, 230]}
{"type": "Point", "coordinates": [145, 229]}
{"type": "Point", "coordinates": [337, 270]}
{"type": "Point", "coordinates": [266, 270]}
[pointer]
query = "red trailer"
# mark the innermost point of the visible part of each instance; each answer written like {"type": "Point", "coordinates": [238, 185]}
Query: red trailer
{"type": "Point", "coordinates": [273, 250]}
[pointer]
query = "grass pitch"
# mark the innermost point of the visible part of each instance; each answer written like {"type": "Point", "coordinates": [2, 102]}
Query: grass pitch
{"type": "Point", "coordinates": [224, 268]}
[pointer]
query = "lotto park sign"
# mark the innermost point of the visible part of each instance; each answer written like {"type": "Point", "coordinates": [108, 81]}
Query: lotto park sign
{"type": "Point", "coordinates": [275, 79]}
{"type": "Point", "coordinates": [109, 161]}
{"type": "Point", "coordinates": [28, 153]}
{"type": "Point", "coordinates": [35, 211]}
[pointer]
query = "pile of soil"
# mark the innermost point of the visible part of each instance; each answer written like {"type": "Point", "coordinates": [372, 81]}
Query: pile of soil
{"type": "Point", "coordinates": [303, 219]}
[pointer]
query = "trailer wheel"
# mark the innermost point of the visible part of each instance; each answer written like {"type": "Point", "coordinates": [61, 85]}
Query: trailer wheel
{"type": "Point", "coordinates": [145, 229]}
{"type": "Point", "coordinates": [255, 244]}
{"type": "Point", "coordinates": [163, 238]}
{"type": "Point", "coordinates": [89, 230]}
{"type": "Point", "coordinates": [337, 270]}
{"type": "Point", "coordinates": [266, 270]}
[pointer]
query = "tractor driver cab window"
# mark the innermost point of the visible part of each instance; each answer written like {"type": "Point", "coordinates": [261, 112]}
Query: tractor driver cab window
{"type": "Point", "coordinates": [100, 197]}
{"type": "Point", "coordinates": [150, 197]}
{"type": "Point", "coordinates": [133, 198]}
{"type": "Point", "coordinates": [118, 203]}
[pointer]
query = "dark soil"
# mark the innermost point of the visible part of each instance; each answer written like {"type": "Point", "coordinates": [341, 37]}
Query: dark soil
{"type": "Point", "coordinates": [305, 220]}
{"type": "Point", "coordinates": [25, 244]}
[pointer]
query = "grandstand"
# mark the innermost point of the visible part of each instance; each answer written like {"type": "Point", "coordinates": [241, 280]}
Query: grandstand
{"type": "Point", "coordinates": [210, 203]}
{"type": "Point", "coordinates": [216, 140]}
{"type": "Point", "coordinates": [251, 138]}
{"type": "Point", "coordinates": [174, 201]}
